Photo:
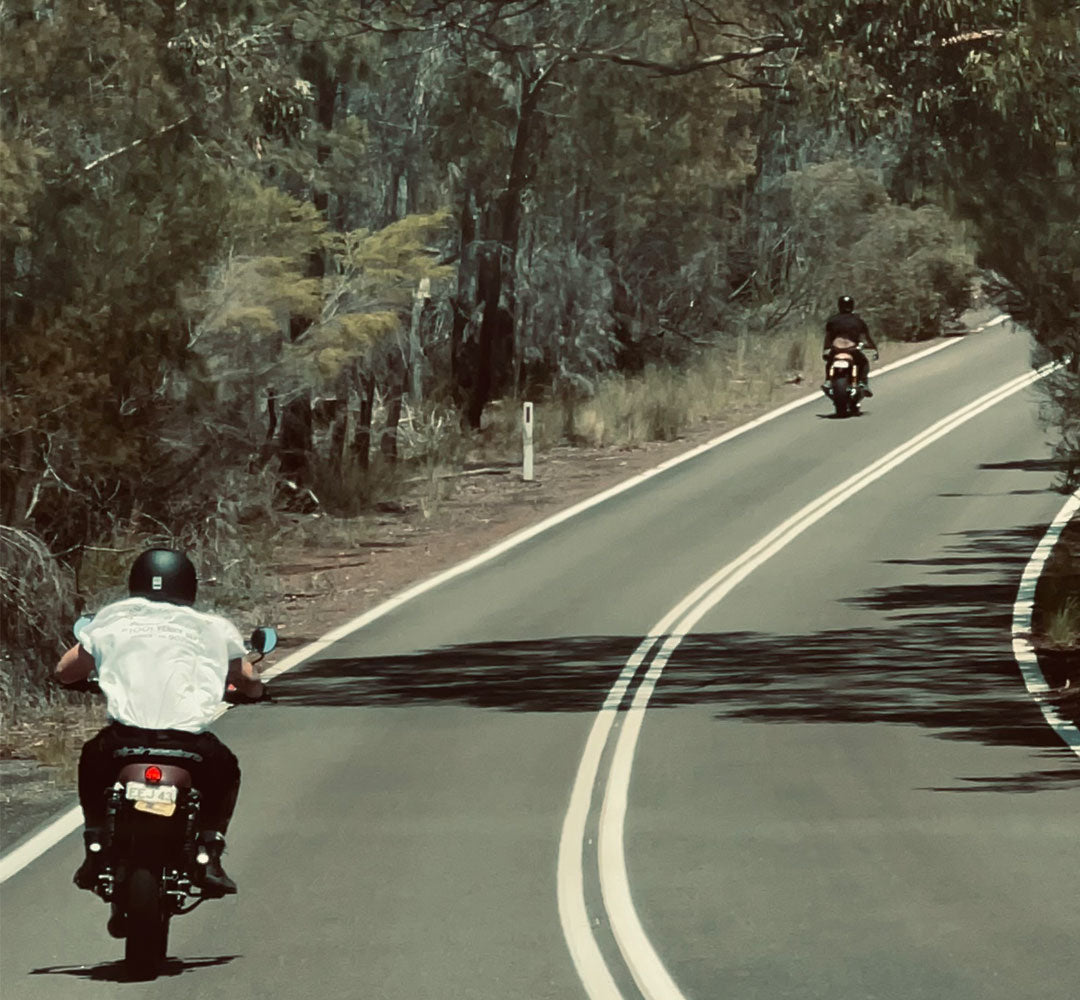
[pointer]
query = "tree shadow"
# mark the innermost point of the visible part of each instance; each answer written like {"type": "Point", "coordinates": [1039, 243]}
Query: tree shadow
{"type": "Point", "coordinates": [941, 659]}
{"type": "Point", "coordinates": [117, 972]}
{"type": "Point", "coordinates": [1030, 465]}
{"type": "Point", "coordinates": [564, 674]}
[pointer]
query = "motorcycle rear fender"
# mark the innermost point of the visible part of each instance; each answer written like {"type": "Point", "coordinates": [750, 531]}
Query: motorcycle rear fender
{"type": "Point", "coordinates": [171, 774]}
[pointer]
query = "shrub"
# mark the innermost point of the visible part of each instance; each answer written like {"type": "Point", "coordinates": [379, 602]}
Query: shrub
{"type": "Point", "coordinates": [832, 229]}
{"type": "Point", "coordinates": [912, 272]}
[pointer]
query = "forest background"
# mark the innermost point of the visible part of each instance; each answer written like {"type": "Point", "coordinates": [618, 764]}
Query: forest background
{"type": "Point", "coordinates": [285, 255]}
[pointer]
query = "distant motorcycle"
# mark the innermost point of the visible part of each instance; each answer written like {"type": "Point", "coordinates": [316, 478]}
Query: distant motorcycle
{"type": "Point", "coordinates": [841, 386]}
{"type": "Point", "coordinates": [149, 848]}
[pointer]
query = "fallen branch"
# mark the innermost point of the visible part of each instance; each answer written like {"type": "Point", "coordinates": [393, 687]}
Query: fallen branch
{"type": "Point", "coordinates": [487, 471]}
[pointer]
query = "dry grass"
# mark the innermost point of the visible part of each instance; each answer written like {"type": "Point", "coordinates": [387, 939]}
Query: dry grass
{"type": "Point", "coordinates": [1063, 623]}
{"type": "Point", "coordinates": [737, 376]}
{"type": "Point", "coordinates": [52, 731]}
{"type": "Point", "coordinates": [1057, 598]}
{"type": "Point", "coordinates": [663, 402]}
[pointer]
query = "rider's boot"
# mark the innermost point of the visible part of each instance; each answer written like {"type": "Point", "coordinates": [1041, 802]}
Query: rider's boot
{"type": "Point", "coordinates": [117, 926]}
{"type": "Point", "coordinates": [209, 875]}
{"type": "Point", "coordinates": [88, 871]}
{"type": "Point", "coordinates": [864, 386]}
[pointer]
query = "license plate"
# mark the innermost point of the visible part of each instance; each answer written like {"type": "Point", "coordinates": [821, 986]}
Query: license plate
{"type": "Point", "coordinates": [156, 808]}
{"type": "Point", "coordinates": [841, 364]}
{"type": "Point", "coordinates": [157, 794]}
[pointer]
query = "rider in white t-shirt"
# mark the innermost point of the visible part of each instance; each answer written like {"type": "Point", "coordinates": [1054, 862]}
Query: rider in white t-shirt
{"type": "Point", "coordinates": [163, 667]}
{"type": "Point", "coordinates": [190, 653]}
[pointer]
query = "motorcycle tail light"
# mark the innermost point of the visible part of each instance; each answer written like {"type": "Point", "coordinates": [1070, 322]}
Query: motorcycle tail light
{"type": "Point", "coordinates": [152, 774]}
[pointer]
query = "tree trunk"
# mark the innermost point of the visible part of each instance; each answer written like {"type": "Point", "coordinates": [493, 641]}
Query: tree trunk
{"type": "Point", "coordinates": [390, 205]}
{"type": "Point", "coordinates": [295, 440]}
{"type": "Point", "coordinates": [338, 428]}
{"type": "Point", "coordinates": [497, 269]}
{"type": "Point", "coordinates": [460, 374]}
{"type": "Point", "coordinates": [388, 445]}
{"type": "Point", "coordinates": [489, 287]}
{"type": "Point", "coordinates": [362, 432]}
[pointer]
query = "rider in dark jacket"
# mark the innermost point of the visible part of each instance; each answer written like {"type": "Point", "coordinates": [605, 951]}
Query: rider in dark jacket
{"type": "Point", "coordinates": [849, 325]}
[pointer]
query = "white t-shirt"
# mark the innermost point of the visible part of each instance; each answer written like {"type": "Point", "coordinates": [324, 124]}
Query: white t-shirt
{"type": "Point", "coordinates": [161, 665]}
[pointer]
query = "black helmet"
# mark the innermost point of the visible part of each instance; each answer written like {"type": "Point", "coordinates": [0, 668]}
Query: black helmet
{"type": "Point", "coordinates": [163, 575]}
{"type": "Point", "coordinates": [845, 304]}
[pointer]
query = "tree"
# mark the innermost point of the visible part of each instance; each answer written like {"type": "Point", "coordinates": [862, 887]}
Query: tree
{"type": "Point", "coordinates": [93, 246]}
{"type": "Point", "coordinates": [508, 85]}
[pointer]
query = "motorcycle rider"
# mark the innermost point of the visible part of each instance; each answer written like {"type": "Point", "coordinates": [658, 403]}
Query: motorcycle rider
{"type": "Point", "coordinates": [848, 325]}
{"type": "Point", "coordinates": [163, 667]}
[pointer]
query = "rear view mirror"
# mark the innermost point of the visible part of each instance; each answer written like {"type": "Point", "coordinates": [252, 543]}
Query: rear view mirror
{"type": "Point", "coordinates": [264, 639]}
{"type": "Point", "coordinates": [80, 625]}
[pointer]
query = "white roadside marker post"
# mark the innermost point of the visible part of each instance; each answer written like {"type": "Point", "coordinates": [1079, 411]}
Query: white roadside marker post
{"type": "Point", "coordinates": [527, 443]}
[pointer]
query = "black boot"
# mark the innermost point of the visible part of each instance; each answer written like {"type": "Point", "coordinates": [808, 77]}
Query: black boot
{"type": "Point", "coordinates": [88, 871]}
{"type": "Point", "coordinates": [117, 926]}
{"type": "Point", "coordinates": [208, 874]}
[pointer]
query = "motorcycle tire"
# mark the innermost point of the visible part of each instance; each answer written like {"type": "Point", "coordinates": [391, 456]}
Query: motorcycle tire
{"type": "Point", "coordinates": [147, 926]}
{"type": "Point", "coordinates": [841, 396]}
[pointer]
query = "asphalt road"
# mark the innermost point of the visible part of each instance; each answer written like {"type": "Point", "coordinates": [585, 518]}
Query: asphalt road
{"type": "Point", "coordinates": [840, 787]}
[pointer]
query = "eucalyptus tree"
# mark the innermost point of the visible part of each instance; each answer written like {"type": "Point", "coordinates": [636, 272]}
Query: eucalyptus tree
{"type": "Point", "coordinates": [94, 247]}
{"type": "Point", "coordinates": [129, 130]}
{"type": "Point", "coordinates": [520, 108]}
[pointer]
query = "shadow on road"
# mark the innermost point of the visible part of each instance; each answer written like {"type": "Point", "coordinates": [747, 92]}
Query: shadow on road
{"type": "Point", "coordinates": [116, 972]}
{"type": "Point", "coordinates": [941, 658]}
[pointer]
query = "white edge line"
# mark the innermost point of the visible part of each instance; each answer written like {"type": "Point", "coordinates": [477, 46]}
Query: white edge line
{"type": "Point", "coordinates": [1023, 649]}
{"type": "Point", "coordinates": [67, 822]}
{"type": "Point", "coordinates": [645, 965]}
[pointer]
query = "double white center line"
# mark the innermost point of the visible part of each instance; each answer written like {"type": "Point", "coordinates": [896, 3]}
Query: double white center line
{"type": "Point", "coordinates": [640, 957]}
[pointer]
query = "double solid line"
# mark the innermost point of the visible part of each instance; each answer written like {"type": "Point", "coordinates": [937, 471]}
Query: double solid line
{"type": "Point", "coordinates": [629, 698]}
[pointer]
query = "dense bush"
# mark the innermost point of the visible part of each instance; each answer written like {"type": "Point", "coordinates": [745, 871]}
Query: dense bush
{"type": "Point", "coordinates": [832, 229]}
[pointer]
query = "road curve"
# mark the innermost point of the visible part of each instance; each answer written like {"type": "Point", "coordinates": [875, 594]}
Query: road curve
{"type": "Point", "coordinates": [840, 789]}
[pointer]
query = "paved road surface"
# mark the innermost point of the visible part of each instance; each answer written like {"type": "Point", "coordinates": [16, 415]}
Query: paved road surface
{"type": "Point", "coordinates": [840, 789]}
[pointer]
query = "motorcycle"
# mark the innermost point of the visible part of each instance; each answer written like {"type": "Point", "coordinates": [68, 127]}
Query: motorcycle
{"type": "Point", "coordinates": [841, 385]}
{"type": "Point", "coordinates": [149, 848]}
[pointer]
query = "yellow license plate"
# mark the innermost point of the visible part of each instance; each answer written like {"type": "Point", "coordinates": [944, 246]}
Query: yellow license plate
{"type": "Point", "coordinates": [156, 808]}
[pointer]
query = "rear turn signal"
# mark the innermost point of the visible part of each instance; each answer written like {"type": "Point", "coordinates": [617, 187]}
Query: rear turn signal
{"type": "Point", "coordinates": [153, 774]}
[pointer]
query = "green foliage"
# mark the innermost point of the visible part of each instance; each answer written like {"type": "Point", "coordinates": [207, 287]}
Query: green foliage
{"type": "Point", "coordinates": [368, 297]}
{"type": "Point", "coordinates": [836, 231]}
{"type": "Point", "coordinates": [387, 265]}
{"type": "Point", "coordinates": [914, 272]}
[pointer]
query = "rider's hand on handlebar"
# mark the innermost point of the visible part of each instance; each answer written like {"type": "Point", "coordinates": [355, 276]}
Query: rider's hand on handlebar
{"type": "Point", "coordinates": [877, 354]}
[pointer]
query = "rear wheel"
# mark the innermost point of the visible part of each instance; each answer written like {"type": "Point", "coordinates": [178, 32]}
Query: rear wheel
{"type": "Point", "coordinates": [841, 395]}
{"type": "Point", "coordinates": [147, 925]}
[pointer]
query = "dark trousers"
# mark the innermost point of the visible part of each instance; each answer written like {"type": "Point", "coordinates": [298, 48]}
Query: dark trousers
{"type": "Point", "coordinates": [215, 773]}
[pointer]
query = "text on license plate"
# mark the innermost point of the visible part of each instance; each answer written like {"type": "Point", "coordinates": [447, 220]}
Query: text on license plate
{"type": "Point", "coordinates": [841, 364]}
{"type": "Point", "coordinates": [138, 792]}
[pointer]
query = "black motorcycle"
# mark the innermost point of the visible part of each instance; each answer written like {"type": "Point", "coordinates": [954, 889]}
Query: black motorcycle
{"type": "Point", "coordinates": [149, 848]}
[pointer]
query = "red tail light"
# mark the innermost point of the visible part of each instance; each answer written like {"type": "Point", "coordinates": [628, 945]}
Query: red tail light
{"type": "Point", "coordinates": [153, 774]}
